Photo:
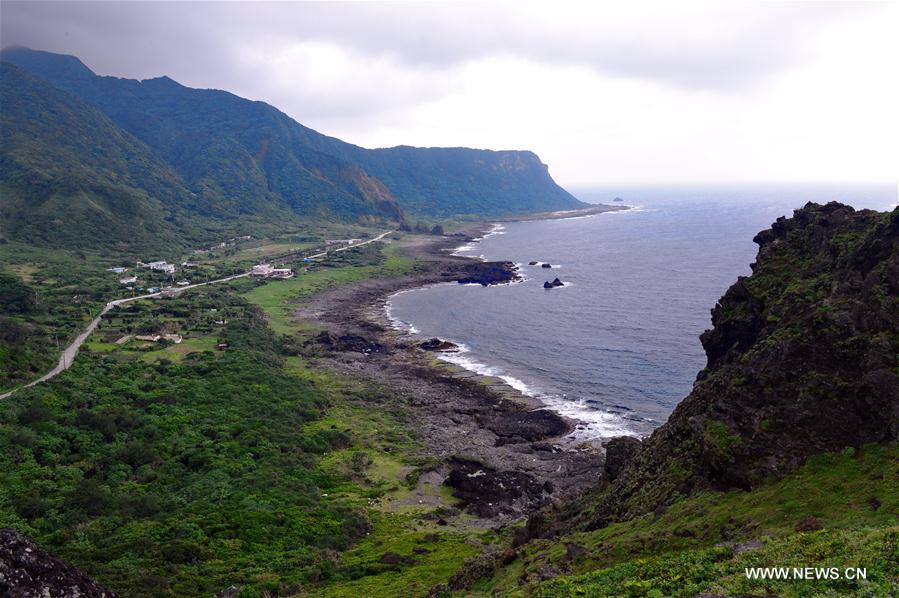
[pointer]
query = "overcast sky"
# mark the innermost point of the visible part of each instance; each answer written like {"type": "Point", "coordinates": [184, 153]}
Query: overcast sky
{"type": "Point", "coordinates": [623, 92]}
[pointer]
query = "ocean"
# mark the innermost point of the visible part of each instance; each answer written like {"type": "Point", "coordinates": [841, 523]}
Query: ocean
{"type": "Point", "coordinates": [618, 346]}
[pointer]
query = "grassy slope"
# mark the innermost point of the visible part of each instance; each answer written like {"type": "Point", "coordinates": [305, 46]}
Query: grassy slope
{"type": "Point", "coordinates": [673, 553]}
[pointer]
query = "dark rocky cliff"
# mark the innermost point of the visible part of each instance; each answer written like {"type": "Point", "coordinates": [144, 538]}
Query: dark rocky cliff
{"type": "Point", "coordinates": [802, 359]}
{"type": "Point", "coordinates": [28, 571]}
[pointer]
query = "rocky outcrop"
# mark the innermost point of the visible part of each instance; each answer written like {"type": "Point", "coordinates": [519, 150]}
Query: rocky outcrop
{"type": "Point", "coordinates": [802, 359]}
{"type": "Point", "coordinates": [529, 426]}
{"type": "Point", "coordinates": [488, 273]}
{"type": "Point", "coordinates": [546, 265]}
{"type": "Point", "coordinates": [348, 342]}
{"type": "Point", "coordinates": [438, 346]}
{"type": "Point", "coordinates": [555, 283]}
{"type": "Point", "coordinates": [28, 571]}
{"type": "Point", "coordinates": [486, 492]}
{"type": "Point", "coordinates": [619, 452]}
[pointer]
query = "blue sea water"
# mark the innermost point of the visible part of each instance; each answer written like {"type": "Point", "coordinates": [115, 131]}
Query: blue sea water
{"type": "Point", "coordinates": [617, 347]}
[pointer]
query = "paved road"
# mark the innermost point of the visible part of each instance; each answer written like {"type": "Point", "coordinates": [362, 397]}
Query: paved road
{"type": "Point", "coordinates": [69, 353]}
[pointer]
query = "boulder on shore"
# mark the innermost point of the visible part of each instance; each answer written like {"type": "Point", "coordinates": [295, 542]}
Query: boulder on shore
{"type": "Point", "coordinates": [437, 344]}
{"type": "Point", "coordinates": [555, 283]}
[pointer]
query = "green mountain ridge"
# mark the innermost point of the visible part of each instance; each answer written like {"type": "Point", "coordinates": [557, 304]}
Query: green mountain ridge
{"type": "Point", "coordinates": [69, 172]}
{"type": "Point", "coordinates": [237, 157]}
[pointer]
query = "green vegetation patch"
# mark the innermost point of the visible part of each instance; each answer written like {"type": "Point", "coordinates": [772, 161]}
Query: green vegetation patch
{"type": "Point", "coordinates": [723, 571]}
{"type": "Point", "coordinates": [851, 493]}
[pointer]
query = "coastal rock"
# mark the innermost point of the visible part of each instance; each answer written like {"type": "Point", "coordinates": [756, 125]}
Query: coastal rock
{"type": "Point", "coordinates": [438, 345]}
{"type": "Point", "coordinates": [533, 263]}
{"type": "Point", "coordinates": [487, 273]}
{"type": "Point", "coordinates": [620, 450]}
{"type": "Point", "coordinates": [348, 342]}
{"type": "Point", "coordinates": [28, 571]}
{"type": "Point", "coordinates": [555, 283]}
{"type": "Point", "coordinates": [617, 199]}
{"type": "Point", "coordinates": [528, 425]}
{"type": "Point", "coordinates": [486, 492]}
{"type": "Point", "coordinates": [546, 265]}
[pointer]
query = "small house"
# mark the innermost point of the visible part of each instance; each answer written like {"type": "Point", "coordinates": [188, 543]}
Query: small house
{"type": "Point", "coordinates": [281, 273]}
{"type": "Point", "coordinates": [262, 270]}
{"type": "Point", "coordinates": [161, 267]}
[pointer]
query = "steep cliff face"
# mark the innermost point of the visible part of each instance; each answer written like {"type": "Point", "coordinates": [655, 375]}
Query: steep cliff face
{"type": "Point", "coordinates": [802, 359]}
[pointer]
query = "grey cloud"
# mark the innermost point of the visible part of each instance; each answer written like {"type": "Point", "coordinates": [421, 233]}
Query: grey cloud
{"type": "Point", "coordinates": [705, 48]}
{"type": "Point", "coordinates": [197, 42]}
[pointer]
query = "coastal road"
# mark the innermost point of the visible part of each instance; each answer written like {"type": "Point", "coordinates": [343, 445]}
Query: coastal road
{"type": "Point", "coordinates": [69, 353]}
{"type": "Point", "coordinates": [324, 253]}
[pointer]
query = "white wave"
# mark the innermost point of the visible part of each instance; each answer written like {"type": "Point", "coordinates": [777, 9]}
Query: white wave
{"type": "Point", "coordinates": [633, 210]}
{"type": "Point", "coordinates": [495, 229]}
{"type": "Point", "coordinates": [591, 422]}
{"type": "Point", "coordinates": [458, 358]}
{"type": "Point", "coordinates": [397, 323]}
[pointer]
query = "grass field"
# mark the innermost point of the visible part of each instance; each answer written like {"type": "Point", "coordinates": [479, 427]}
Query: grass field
{"type": "Point", "coordinates": [279, 299]}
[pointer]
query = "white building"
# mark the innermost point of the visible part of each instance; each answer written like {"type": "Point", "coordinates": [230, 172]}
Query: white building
{"type": "Point", "coordinates": [281, 273]}
{"type": "Point", "coordinates": [264, 270]}
{"type": "Point", "coordinates": [162, 267]}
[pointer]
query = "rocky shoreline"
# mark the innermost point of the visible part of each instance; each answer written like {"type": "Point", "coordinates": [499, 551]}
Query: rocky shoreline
{"type": "Point", "coordinates": [502, 454]}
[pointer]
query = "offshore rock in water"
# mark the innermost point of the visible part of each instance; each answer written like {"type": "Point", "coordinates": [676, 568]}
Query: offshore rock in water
{"type": "Point", "coordinates": [555, 283]}
{"type": "Point", "coordinates": [440, 345]}
{"type": "Point", "coordinates": [546, 265]}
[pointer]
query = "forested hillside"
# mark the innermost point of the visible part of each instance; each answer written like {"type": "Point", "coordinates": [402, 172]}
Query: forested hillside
{"type": "Point", "coordinates": [71, 177]}
{"type": "Point", "coordinates": [239, 157]}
